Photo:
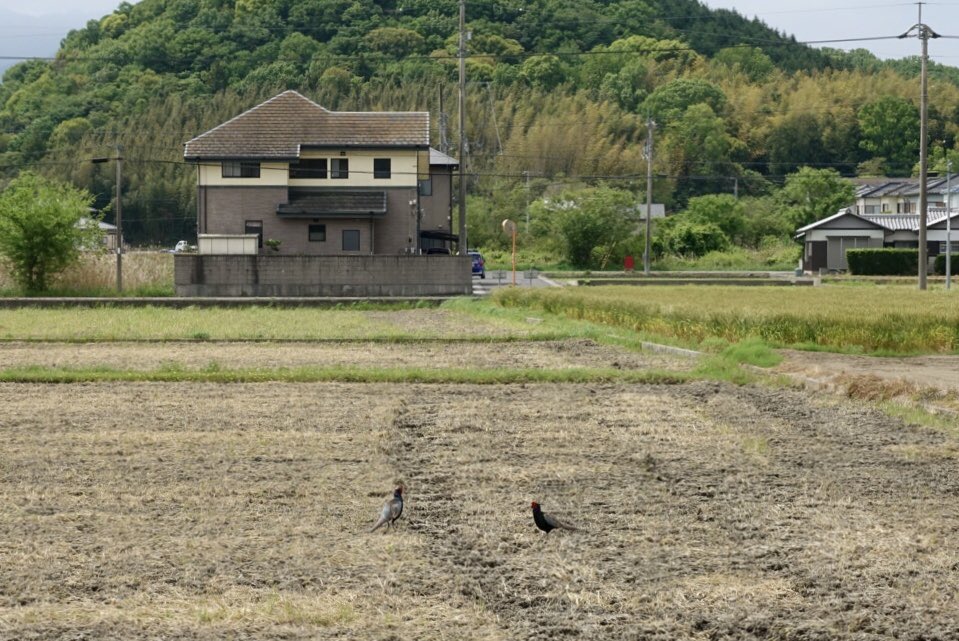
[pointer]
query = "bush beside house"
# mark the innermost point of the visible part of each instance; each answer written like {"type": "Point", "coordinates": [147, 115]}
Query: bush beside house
{"type": "Point", "coordinates": [883, 262]}
{"type": "Point", "coordinates": [940, 265]}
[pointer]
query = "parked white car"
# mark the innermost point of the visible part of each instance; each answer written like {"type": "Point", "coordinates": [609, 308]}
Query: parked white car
{"type": "Point", "coordinates": [182, 246]}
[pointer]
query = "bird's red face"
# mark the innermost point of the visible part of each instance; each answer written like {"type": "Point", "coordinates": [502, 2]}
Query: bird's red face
{"type": "Point", "coordinates": [399, 490]}
{"type": "Point", "coordinates": [534, 505]}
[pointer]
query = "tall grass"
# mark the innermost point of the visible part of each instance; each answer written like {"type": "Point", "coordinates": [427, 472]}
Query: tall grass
{"type": "Point", "coordinates": [144, 274]}
{"type": "Point", "coordinates": [886, 319]}
{"type": "Point", "coordinates": [772, 255]}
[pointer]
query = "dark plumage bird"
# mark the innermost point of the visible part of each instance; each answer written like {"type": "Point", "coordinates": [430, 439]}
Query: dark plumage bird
{"type": "Point", "coordinates": [547, 523]}
{"type": "Point", "coordinates": [392, 510]}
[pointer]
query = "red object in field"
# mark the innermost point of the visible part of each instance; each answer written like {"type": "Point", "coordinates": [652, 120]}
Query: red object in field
{"type": "Point", "coordinates": [629, 264]}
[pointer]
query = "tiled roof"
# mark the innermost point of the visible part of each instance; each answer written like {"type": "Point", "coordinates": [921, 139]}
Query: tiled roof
{"type": "Point", "coordinates": [900, 187]}
{"type": "Point", "coordinates": [891, 222]}
{"type": "Point", "coordinates": [894, 222]}
{"type": "Point", "coordinates": [906, 222]}
{"type": "Point", "coordinates": [338, 203]}
{"type": "Point", "coordinates": [279, 127]}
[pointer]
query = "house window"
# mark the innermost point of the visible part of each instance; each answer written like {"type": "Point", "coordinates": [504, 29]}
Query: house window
{"type": "Point", "coordinates": [308, 168]}
{"type": "Point", "coordinates": [340, 168]}
{"type": "Point", "coordinates": [870, 209]}
{"type": "Point", "coordinates": [955, 247]}
{"type": "Point", "coordinates": [351, 240]}
{"type": "Point", "coordinates": [381, 168]}
{"type": "Point", "coordinates": [255, 227]}
{"type": "Point", "coordinates": [317, 233]}
{"type": "Point", "coordinates": [426, 187]}
{"type": "Point", "coordinates": [885, 208]}
{"type": "Point", "coordinates": [241, 169]}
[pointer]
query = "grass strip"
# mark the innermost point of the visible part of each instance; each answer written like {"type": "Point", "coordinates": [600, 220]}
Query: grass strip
{"type": "Point", "coordinates": [539, 337]}
{"type": "Point", "coordinates": [342, 374]}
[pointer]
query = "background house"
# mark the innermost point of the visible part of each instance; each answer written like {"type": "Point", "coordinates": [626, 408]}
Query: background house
{"type": "Point", "coordinates": [322, 182]}
{"type": "Point", "coordinates": [900, 195]}
{"type": "Point", "coordinates": [826, 241]}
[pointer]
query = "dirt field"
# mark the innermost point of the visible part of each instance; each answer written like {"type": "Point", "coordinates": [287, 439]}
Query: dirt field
{"type": "Point", "coordinates": [937, 372]}
{"type": "Point", "coordinates": [203, 511]}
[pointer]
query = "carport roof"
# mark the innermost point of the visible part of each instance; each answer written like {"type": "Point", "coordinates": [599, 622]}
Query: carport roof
{"type": "Point", "coordinates": [333, 204]}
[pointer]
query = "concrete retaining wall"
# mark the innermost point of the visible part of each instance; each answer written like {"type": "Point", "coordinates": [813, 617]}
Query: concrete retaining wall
{"type": "Point", "coordinates": [351, 276]}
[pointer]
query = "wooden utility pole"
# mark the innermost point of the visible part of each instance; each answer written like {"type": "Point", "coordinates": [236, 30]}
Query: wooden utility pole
{"type": "Point", "coordinates": [119, 219]}
{"type": "Point", "coordinates": [463, 245]}
{"type": "Point", "coordinates": [924, 33]}
{"type": "Point", "coordinates": [650, 126]}
{"type": "Point", "coordinates": [444, 124]}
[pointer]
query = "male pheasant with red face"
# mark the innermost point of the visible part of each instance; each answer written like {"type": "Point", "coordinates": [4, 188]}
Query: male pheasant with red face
{"type": "Point", "coordinates": [548, 523]}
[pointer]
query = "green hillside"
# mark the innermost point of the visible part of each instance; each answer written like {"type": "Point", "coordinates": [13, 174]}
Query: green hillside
{"type": "Point", "coordinates": [559, 90]}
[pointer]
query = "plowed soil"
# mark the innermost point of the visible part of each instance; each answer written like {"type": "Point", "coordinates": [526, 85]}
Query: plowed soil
{"type": "Point", "coordinates": [706, 511]}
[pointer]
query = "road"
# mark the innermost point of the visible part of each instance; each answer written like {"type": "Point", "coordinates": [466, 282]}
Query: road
{"type": "Point", "coordinates": [504, 278]}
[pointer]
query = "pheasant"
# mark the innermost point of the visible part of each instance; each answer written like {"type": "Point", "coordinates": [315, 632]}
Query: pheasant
{"type": "Point", "coordinates": [547, 523]}
{"type": "Point", "coordinates": [392, 510]}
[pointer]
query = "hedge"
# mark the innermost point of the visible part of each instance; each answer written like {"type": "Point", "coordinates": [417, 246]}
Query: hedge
{"type": "Point", "coordinates": [883, 262]}
{"type": "Point", "coordinates": [940, 266]}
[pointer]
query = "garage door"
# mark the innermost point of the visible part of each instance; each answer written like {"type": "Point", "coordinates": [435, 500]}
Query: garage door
{"type": "Point", "coordinates": [838, 245]}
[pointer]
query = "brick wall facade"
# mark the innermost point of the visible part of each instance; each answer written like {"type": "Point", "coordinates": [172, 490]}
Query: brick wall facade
{"type": "Point", "coordinates": [226, 210]}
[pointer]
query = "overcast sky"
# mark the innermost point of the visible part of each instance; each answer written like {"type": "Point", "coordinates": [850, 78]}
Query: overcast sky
{"type": "Point", "coordinates": [806, 19]}
{"type": "Point", "coordinates": [832, 19]}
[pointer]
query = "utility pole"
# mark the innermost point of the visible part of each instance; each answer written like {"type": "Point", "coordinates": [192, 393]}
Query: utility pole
{"type": "Point", "coordinates": [119, 203]}
{"type": "Point", "coordinates": [924, 33]}
{"type": "Point", "coordinates": [948, 224]}
{"type": "Point", "coordinates": [650, 126]}
{"type": "Point", "coordinates": [463, 243]}
{"type": "Point", "coordinates": [444, 123]}
{"type": "Point", "coordinates": [527, 201]}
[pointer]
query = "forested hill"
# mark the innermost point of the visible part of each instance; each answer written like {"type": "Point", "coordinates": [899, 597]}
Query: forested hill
{"type": "Point", "coordinates": [559, 90]}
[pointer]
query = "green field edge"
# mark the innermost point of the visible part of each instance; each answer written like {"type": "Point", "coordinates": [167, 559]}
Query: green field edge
{"type": "Point", "coordinates": [344, 375]}
{"type": "Point", "coordinates": [383, 339]}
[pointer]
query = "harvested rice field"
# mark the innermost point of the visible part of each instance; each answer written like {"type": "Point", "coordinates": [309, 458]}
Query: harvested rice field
{"type": "Point", "coordinates": [140, 356]}
{"type": "Point", "coordinates": [241, 511]}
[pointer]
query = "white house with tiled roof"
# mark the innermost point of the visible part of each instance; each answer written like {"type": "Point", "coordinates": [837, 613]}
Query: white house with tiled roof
{"type": "Point", "coordinates": [310, 181]}
{"type": "Point", "coordinates": [826, 241]}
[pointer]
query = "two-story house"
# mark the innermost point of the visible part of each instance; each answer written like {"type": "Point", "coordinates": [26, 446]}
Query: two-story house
{"type": "Point", "coordinates": [309, 181]}
{"type": "Point", "coordinates": [897, 195]}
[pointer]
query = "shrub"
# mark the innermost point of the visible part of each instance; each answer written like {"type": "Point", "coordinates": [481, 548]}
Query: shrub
{"type": "Point", "coordinates": [883, 262]}
{"type": "Point", "coordinates": [688, 238]}
{"type": "Point", "coordinates": [940, 265]}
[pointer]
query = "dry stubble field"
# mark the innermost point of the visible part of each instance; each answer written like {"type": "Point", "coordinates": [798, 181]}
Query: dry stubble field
{"type": "Point", "coordinates": [239, 511]}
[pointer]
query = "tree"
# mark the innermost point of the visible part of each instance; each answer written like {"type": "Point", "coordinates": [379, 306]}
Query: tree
{"type": "Point", "coordinates": [890, 128]}
{"type": "Point", "coordinates": [670, 101]}
{"type": "Point", "coordinates": [592, 222]}
{"type": "Point", "coordinates": [40, 228]}
{"type": "Point", "coordinates": [694, 238]}
{"type": "Point", "coordinates": [702, 154]}
{"type": "Point", "coordinates": [749, 61]}
{"type": "Point", "coordinates": [796, 141]}
{"type": "Point", "coordinates": [811, 194]}
{"type": "Point", "coordinates": [724, 211]}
